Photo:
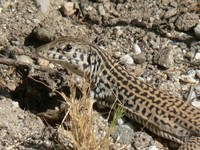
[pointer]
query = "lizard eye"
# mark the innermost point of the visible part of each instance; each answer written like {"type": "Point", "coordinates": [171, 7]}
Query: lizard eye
{"type": "Point", "coordinates": [68, 48]}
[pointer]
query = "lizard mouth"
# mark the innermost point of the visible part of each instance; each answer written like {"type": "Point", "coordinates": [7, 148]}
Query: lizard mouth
{"type": "Point", "coordinates": [56, 56]}
{"type": "Point", "coordinates": [53, 55]}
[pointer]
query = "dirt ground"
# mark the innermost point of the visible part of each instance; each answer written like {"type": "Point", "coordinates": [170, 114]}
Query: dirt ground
{"type": "Point", "coordinates": [156, 40]}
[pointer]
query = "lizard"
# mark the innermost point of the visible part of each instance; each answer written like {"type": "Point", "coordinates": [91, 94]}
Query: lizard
{"type": "Point", "coordinates": [161, 113]}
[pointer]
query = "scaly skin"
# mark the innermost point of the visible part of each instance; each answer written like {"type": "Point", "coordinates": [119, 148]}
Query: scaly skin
{"type": "Point", "coordinates": [161, 113]}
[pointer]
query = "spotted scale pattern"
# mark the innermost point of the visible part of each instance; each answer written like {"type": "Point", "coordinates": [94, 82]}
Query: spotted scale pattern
{"type": "Point", "coordinates": [161, 113]}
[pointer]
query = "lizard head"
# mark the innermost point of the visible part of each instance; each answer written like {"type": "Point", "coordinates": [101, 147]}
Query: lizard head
{"type": "Point", "coordinates": [80, 58]}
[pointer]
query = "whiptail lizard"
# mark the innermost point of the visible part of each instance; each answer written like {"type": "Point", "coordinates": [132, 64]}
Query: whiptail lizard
{"type": "Point", "coordinates": [161, 113]}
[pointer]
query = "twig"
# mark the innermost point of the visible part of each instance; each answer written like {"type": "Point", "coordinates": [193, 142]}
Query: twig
{"type": "Point", "coordinates": [19, 64]}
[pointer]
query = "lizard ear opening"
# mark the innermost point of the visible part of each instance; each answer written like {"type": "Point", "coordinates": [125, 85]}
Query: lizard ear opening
{"type": "Point", "coordinates": [88, 59]}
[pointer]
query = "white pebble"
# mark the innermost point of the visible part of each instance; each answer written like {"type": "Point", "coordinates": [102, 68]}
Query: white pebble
{"type": "Point", "coordinates": [152, 148]}
{"type": "Point", "coordinates": [136, 49]}
{"type": "Point", "coordinates": [127, 59]}
{"type": "Point", "coordinates": [118, 31]}
{"type": "Point", "coordinates": [197, 56]}
{"type": "Point", "coordinates": [197, 30]}
{"type": "Point", "coordinates": [51, 65]}
{"type": "Point", "coordinates": [68, 8]}
{"type": "Point", "coordinates": [120, 121]}
{"type": "Point", "coordinates": [42, 5]}
{"type": "Point", "coordinates": [117, 54]}
{"type": "Point", "coordinates": [43, 62]}
{"type": "Point", "coordinates": [15, 104]}
{"type": "Point", "coordinates": [25, 59]}
{"type": "Point", "coordinates": [198, 73]}
{"type": "Point", "coordinates": [196, 103]}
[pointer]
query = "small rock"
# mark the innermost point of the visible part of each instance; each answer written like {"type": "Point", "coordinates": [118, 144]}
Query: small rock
{"type": "Point", "coordinates": [155, 44]}
{"type": "Point", "coordinates": [189, 55]}
{"type": "Point", "coordinates": [187, 21]}
{"type": "Point", "coordinates": [165, 2]}
{"type": "Point", "coordinates": [15, 42]}
{"type": "Point", "coordinates": [121, 121]}
{"type": "Point", "coordinates": [130, 125]}
{"type": "Point", "coordinates": [118, 31]}
{"type": "Point", "coordinates": [68, 8]}
{"type": "Point", "coordinates": [198, 73]}
{"type": "Point", "coordinates": [42, 34]}
{"type": "Point", "coordinates": [25, 59]}
{"type": "Point", "coordinates": [140, 58]}
{"type": "Point", "coordinates": [114, 12]}
{"type": "Point", "coordinates": [171, 12]}
{"type": "Point", "coordinates": [51, 65]}
{"type": "Point", "coordinates": [173, 4]}
{"type": "Point", "coordinates": [191, 73]}
{"type": "Point", "coordinates": [101, 10]}
{"type": "Point", "coordinates": [165, 58]}
{"type": "Point", "coordinates": [12, 50]}
{"type": "Point", "coordinates": [123, 134]}
{"type": "Point", "coordinates": [42, 5]}
{"type": "Point", "coordinates": [153, 148]}
{"type": "Point", "coordinates": [188, 79]}
{"type": "Point", "coordinates": [15, 104]}
{"type": "Point", "coordinates": [195, 46]}
{"type": "Point", "coordinates": [142, 140]}
{"type": "Point", "coordinates": [127, 59]}
{"type": "Point", "coordinates": [197, 56]}
{"type": "Point", "coordinates": [43, 62]}
{"type": "Point", "coordinates": [117, 54]}
{"type": "Point", "coordinates": [151, 35]}
{"type": "Point", "coordinates": [136, 49]}
{"type": "Point", "coordinates": [36, 21]}
{"type": "Point", "coordinates": [197, 30]}
{"type": "Point", "coordinates": [197, 88]}
{"type": "Point", "coordinates": [138, 71]}
{"type": "Point", "coordinates": [196, 103]}
{"type": "Point", "coordinates": [191, 96]}
{"type": "Point", "coordinates": [107, 5]}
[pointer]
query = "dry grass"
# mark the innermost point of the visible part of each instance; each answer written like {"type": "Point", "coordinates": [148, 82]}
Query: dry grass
{"type": "Point", "coordinates": [82, 119]}
{"type": "Point", "coordinates": [82, 122]}
{"type": "Point", "coordinates": [2, 83]}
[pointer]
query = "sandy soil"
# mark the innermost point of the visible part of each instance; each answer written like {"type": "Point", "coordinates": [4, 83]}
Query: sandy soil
{"type": "Point", "coordinates": [154, 40]}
